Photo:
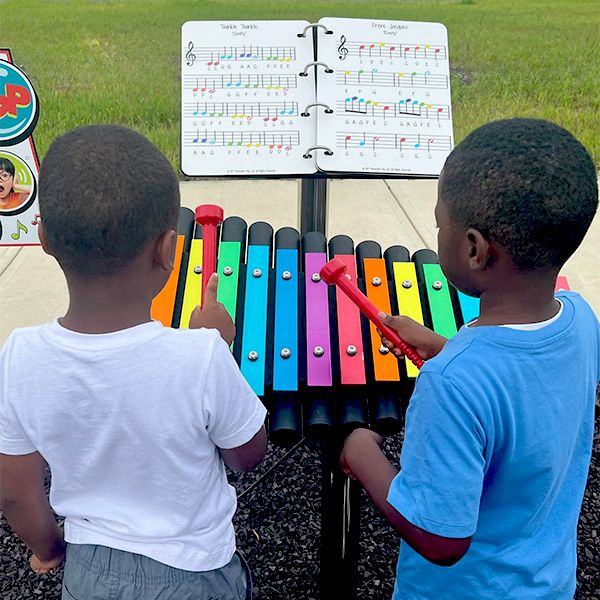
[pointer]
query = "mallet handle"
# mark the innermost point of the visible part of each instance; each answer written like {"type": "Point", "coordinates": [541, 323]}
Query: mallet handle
{"type": "Point", "coordinates": [209, 216]}
{"type": "Point", "coordinates": [334, 272]}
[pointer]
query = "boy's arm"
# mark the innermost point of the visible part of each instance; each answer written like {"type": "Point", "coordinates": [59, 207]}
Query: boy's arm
{"type": "Point", "coordinates": [363, 460]}
{"type": "Point", "coordinates": [25, 505]}
{"type": "Point", "coordinates": [247, 456]}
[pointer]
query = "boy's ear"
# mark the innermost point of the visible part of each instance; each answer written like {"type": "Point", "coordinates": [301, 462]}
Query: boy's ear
{"type": "Point", "coordinates": [479, 250]}
{"type": "Point", "coordinates": [164, 250]}
{"type": "Point", "coordinates": [43, 238]}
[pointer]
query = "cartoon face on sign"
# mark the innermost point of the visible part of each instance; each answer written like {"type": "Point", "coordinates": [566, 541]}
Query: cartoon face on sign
{"type": "Point", "coordinates": [17, 184]}
{"type": "Point", "coordinates": [18, 105]}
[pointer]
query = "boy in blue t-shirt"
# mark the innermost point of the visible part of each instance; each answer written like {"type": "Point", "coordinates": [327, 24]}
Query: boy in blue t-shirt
{"type": "Point", "coordinates": [500, 425]}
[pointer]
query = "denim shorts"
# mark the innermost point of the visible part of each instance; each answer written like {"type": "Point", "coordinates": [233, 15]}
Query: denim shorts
{"type": "Point", "coordinates": [101, 573]}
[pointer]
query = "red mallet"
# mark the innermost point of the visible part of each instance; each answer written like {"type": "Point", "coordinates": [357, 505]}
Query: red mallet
{"type": "Point", "coordinates": [209, 216]}
{"type": "Point", "coordinates": [334, 272]}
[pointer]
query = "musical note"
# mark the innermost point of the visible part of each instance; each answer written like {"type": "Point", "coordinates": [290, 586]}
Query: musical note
{"type": "Point", "coordinates": [36, 219]}
{"type": "Point", "coordinates": [20, 227]}
{"type": "Point", "coordinates": [342, 50]}
{"type": "Point", "coordinates": [189, 55]}
{"type": "Point", "coordinates": [391, 141]}
{"type": "Point", "coordinates": [360, 49]}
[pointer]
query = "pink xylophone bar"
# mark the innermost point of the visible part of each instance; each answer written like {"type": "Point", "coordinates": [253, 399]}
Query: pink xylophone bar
{"type": "Point", "coordinates": [209, 216]}
{"type": "Point", "coordinates": [334, 272]}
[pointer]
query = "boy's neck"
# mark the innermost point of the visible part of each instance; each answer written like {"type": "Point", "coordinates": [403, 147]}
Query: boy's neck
{"type": "Point", "coordinates": [519, 298]}
{"type": "Point", "coordinates": [107, 304]}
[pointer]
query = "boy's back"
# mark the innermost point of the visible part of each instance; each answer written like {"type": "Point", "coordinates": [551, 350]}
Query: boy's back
{"type": "Point", "coordinates": [522, 399]}
{"type": "Point", "coordinates": [135, 420]}
{"type": "Point", "coordinates": [129, 423]}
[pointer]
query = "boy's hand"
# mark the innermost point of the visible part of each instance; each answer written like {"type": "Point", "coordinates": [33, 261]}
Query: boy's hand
{"type": "Point", "coordinates": [357, 450]}
{"type": "Point", "coordinates": [426, 342]}
{"type": "Point", "coordinates": [43, 566]}
{"type": "Point", "coordinates": [214, 315]}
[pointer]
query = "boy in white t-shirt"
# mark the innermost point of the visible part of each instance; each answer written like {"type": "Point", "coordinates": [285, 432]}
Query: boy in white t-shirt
{"type": "Point", "coordinates": [134, 419]}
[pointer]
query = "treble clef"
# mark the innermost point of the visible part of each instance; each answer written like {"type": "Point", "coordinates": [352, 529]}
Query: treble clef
{"type": "Point", "coordinates": [343, 51]}
{"type": "Point", "coordinates": [189, 55]}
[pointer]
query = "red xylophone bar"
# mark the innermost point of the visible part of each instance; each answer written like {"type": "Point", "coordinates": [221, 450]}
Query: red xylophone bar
{"type": "Point", "coordinates": [209, 216]}
{"type": "Point", "coordinates": [334, 272]}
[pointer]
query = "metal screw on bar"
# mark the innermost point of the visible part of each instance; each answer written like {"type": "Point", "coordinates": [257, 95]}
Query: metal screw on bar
{"type": "Point", "coordinates": [351, 350]}
{"type": "Point", "coordinates": [285, 353]}
{"type": "Point", "coordinates": [253, 355]}
{"type": "Point", "coordinates": [318, 351]}
{"type": "Point", "coordinates": [407, 283]}
{"type": "Point", "coordinates": [383, 350]}
{"type": "Point", "coordinates": [227, 271]}
{"type": "Point", "coordinates": [316, 277]}
{"type": "Point", "coordinates": [437, 285]}
{"type": "Point", "coordinates": [256, 273]}
{"type": "Point", "coordinates": [197, 269]}
{"type": "Point", "coordinates": [376, 281]}
{"type": "Point", "coordinates": [286, 275]}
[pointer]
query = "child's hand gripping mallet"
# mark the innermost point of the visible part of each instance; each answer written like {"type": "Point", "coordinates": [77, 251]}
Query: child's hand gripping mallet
{"type": "Point", "coordinates": [334, 272]}
{"type": "Point", "coordinates": [209, 216]}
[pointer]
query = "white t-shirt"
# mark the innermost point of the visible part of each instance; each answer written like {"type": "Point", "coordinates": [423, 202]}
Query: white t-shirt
{"type": "Point", "coordinates": [130, 423]}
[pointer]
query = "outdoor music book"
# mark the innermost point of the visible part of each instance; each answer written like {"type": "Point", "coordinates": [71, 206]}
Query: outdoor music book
{"type": "Point", "coordinates": [291, 98]}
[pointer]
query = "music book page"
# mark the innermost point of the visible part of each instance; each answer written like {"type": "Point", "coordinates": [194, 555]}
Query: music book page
{"type": "Point", "coordinates": [390, 92]}
{"type": "Point", "coordinates": [242, 95]}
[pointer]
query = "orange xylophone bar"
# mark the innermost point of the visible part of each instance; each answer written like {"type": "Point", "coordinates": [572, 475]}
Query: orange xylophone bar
{"type": "Point", "coordinates": [334, 272]}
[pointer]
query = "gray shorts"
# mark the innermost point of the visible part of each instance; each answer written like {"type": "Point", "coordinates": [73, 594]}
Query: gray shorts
{"type": "Point", "coordinates": [101, 573]}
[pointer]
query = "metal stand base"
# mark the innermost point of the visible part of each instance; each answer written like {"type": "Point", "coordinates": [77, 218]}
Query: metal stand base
{"type": "Point", "coordinates": [339, 529]}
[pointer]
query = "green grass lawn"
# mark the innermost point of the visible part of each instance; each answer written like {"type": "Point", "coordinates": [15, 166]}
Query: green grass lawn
{"type": "Point", "coordinates": [108, 61]}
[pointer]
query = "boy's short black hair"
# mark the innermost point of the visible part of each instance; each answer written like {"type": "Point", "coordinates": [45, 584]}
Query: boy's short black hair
{"type": "Point", "coordinates": [527, 184]}
{"type": "Point", "coordinates": [105, 192]}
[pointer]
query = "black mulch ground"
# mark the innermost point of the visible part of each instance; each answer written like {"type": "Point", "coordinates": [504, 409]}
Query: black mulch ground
{"type": "Point", "coordinates": [277, 526]}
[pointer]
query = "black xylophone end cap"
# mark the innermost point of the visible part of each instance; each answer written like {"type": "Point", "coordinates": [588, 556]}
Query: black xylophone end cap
{"type": "Point", "coordinates": [333, 270]}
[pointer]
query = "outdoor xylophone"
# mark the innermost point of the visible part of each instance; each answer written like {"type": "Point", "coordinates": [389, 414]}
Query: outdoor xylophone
{"type": "Point", "coordinates": [303, 346]}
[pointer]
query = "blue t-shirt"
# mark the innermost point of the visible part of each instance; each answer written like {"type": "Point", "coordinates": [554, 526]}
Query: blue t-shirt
{"type": "Point", "coordinates": [498, 444]}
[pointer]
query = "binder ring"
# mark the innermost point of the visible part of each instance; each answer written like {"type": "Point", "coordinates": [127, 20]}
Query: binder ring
{"type": "Point", "coordinates": [328, 151]}
{"type": "Point", "coordinates": [305, 113]}
{"type": "Point", "coordinates": [315, 64]}
{"type": "Point", "coordinates": [313, 25]}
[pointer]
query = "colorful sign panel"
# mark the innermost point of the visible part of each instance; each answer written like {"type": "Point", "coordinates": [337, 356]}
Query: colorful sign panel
{"type": "Point", "coordinates": [19, 165]}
